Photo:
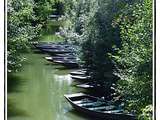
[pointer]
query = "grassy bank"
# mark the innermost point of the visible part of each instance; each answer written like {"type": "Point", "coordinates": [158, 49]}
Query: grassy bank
{"type": "Point", "coordinates": [48, 33]}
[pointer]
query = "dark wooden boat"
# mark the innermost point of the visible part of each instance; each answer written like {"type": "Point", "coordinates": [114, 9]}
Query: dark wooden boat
{"type": "Point", "coordinates": [49, 43]}
{"type": "Point", "coordinates": [66, 54]}
{"type": "Point", "coordinates": [78, 72]}
{"type": "Point", "coordinates": [52, 58]}
{"type": "Point", "coordinates": [96, 107]}
{"type": "Point", "coordinates": [80, 77]}
{"type": "Point", "coordinates": [56, 51]}
{"type": "Point", "coordinates": [67, 63]}
{"type": "Point", "coordinates": [64, 58]}
{"type": "Point", "coordinates": [89, 85]}
{"type": "Point", "coordinates": [52, 46]}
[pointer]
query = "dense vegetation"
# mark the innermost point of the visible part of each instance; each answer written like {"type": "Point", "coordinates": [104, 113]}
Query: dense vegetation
{"type": "Point", "coordinates": [114, 38]}
{"type": "Point", "coordinates": [134, 58]}
{"type": "Point", "coordinates": [25, 20]}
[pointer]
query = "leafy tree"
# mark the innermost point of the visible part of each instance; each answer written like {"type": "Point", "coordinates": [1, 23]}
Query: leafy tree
{"type": "Point", "coordinates": [121, 29]}
{"type": "Point", "coordinates": [25, 20]}
{"type": "Point", "coordinates": [58, 7]}
{"type": "Point", "coordinates": [98, 39]}
{"type": "Point", "coordinates": [134, 59]}
{"type": "Point", "coordinates": [42, 9]}
{"type": "Point", "coordinates": [19, 31]}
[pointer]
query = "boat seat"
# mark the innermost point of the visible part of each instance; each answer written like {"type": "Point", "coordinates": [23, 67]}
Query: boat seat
{"type": "Point", "coordinates": [87, 104]}
{"type": "Point", "coordinates": [114, 111]}
{"type": "Point", "coordinates": [103, 107]}
{"type": "Point", "coordinates": [82, 101]}
{"type": "Point", "coordinates": [92, 104]}
{"type": "Point", "coordinates": [75, 95]}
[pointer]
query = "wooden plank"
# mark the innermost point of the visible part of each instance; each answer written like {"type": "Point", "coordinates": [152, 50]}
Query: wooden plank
{"type": "Point", "coordinates": [85, 86]}
{"type": "Point", "coordinates": [92, 103]}
{"type": "Point", "coordinates": [87, 104]}
{"type": "Point", "coordinates": [103, 107]}
{"type": "Point", "coordinates": [82, 101]}
{"type": "Point", "coordinates": [114, 111]}
{"type": "Point", "coordinates": [79, 77]}
{"type": "Point", "coordinates": [75, 95]}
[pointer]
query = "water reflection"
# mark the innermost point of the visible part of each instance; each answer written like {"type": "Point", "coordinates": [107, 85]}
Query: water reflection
{"type": "Point", "coordinates": [61, 78]}
{"type": "Point", "coordinates": [14, 83]}
{"type": "Point", "coordinates": [13, 110]}
{"type": "Point", "coordinates": [41, 95]}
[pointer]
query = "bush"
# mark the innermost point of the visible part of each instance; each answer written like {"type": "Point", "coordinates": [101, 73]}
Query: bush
{"type": "Point", "coordinates": [21, 28]}
{"type": "Point", "coordinates": [146, 113]}
{"type": "Point", "coordinates": [134, 58]}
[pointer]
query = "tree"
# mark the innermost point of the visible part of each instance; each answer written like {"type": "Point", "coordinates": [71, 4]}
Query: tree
{"type": "Point", "coordinates": [134, 59]}
{"type": "Point", "coordinates": [19, 31]}
{"type": "Point", "coordinates": [25, 20]}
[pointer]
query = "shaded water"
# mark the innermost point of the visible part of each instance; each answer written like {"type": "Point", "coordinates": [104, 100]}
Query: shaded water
{"type": "Point", "coordinates": [36, 93]}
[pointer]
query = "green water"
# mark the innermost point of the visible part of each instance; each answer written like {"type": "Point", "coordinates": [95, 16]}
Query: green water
{"type": "Point", "coordinates": [36, 93]}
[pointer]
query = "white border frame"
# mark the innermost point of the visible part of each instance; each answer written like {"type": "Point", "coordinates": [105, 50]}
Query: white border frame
{"type": "Point", "coordinates": [157, 60]}
{"type": "Point", "coordinates": [3, 3]}
{"type": "Point", "coordinates": [2, 59]}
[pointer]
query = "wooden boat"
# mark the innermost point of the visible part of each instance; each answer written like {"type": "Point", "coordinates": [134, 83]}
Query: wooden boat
{"type": "Point", "coordinates": [80, 77]}
{"type": "Point", "coordinates": [64, 58]}
{"type": "Point", "coordinates": [78, 72]}
{"type": "Point", "coordinates": [52, 46]}
{"type": "Point", "coordinates": [66, 54]}
{"type": "Point", "coordinates": [96, 107]}
{"type": "Point", "coordinates": [56, 51]}
{"type": "Point", "coordinates": [67, 63]}
{"type": "Point", "coordinates": [89, 85]}
{"type": "Point", "coordinates": [51, 58]}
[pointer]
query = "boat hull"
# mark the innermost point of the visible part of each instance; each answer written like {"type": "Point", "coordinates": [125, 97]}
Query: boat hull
{"type": "Point", "coordinates": [96, 114]}
{"type": "Point", "coordinates": [80, 77]}
{"type": "Point", "coordinates": [56, 51]}
{"type": "Point", "coordinates": [78, 73]}
{"type": "Point", "coordinates": [67, 64]}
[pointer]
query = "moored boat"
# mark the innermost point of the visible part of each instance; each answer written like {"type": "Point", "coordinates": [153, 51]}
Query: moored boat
{"type": "Point", "coordinates": [66, 54]}
{"type": "Point", "coordinates": [80, 77]}
{"type": "Point", "coordinates": [96, 107]}
{"type": "Point", "coordinates": [78, 72]}
{"type": "Point", "coordinates": [56, 51]}
{"type": "Point", "coordinates": [52, 58]}
{"type": "Point", "coordinates": [67, 63]}
{"type": "Point", "coordinates": [88, 85]}
{"type": "Point", "coordinates": [52, 46]}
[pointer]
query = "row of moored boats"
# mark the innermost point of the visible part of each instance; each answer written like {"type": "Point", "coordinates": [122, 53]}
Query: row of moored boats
{"type": "Point", "coordinates": [97, 107]}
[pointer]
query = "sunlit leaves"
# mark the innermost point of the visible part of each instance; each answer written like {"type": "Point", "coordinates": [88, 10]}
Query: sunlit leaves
{"type": "Point", "coordinates": [21, 29]}
{"type": "Point", "coordinates": [135, 56]}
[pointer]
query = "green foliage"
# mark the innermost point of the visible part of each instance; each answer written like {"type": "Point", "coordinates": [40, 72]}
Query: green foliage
{"type": "Point", "coordinates": [107, 32]}
{"type": "Point", "coordinates": [19, 31]}
{"type": "Point", "coordinates": [121, 29]}
{"type": "Point", "coordinates": [42, 9]}
{"type": "Point", "coordinates": [24, 22]}
{"type": "Point", "coordinates": [134, 58]}
{"type": "Point", "coordinates": [91, 28]}
{"type": "Point", "coordinates": [146, 113]}
{"type": "Point", "coordinates": [59, 7]}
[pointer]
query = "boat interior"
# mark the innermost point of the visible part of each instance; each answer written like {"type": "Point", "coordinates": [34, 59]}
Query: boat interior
{"type": "Point", "coordinates": [95, 104]}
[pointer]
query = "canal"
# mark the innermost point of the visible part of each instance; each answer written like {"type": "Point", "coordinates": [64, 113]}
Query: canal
{"type": "Point", "coordinates": [36, 93]}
